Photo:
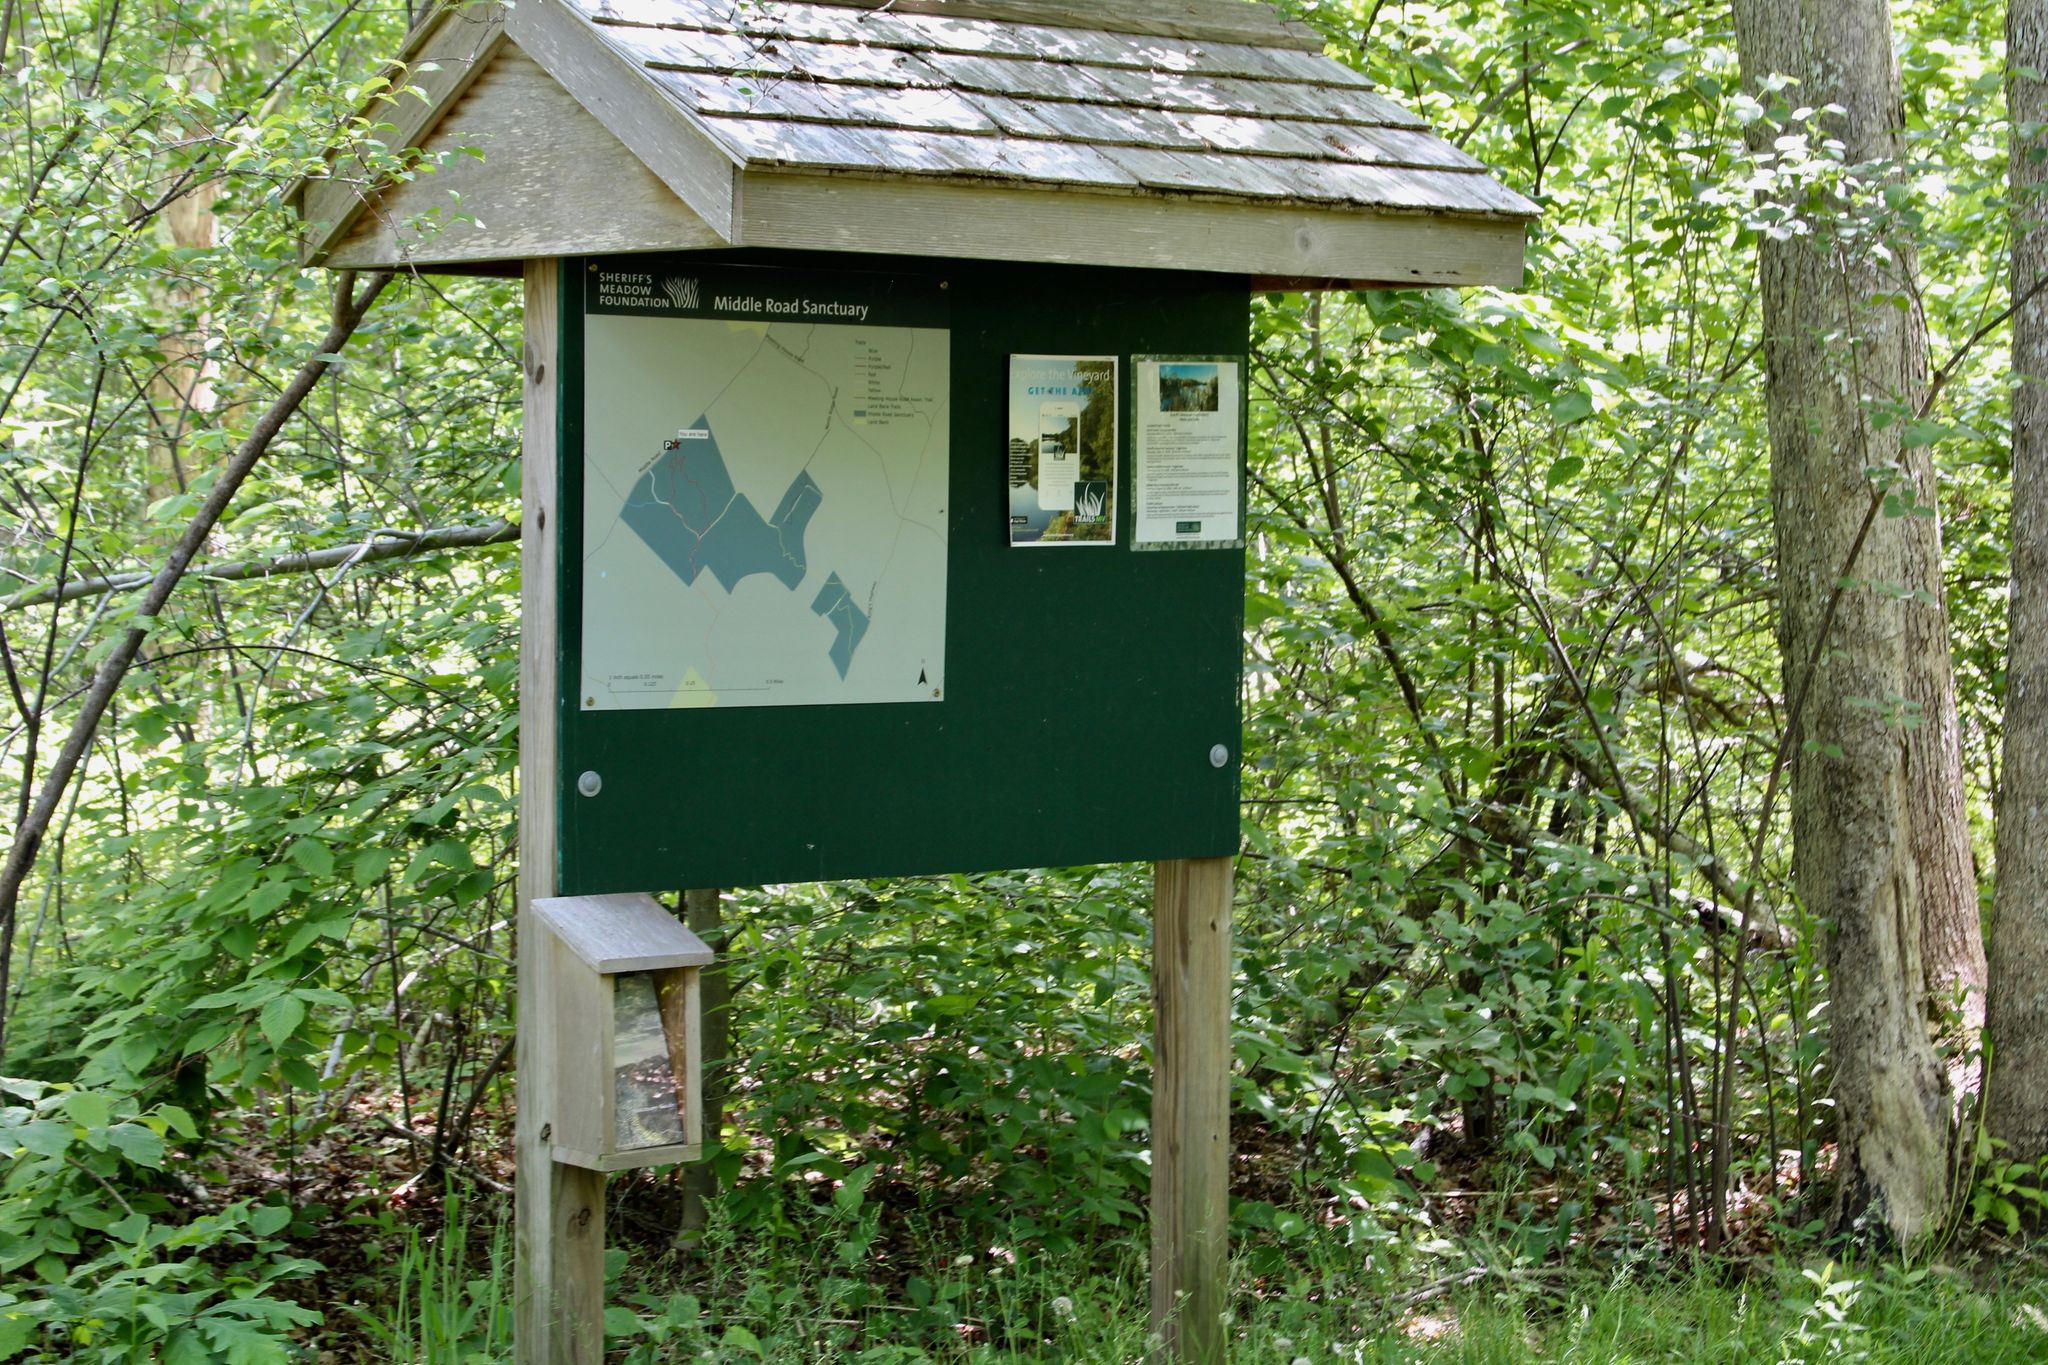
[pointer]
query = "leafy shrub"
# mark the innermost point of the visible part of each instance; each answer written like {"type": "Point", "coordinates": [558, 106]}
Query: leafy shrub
{"type": "Point", "coordinates": [118, 1271]}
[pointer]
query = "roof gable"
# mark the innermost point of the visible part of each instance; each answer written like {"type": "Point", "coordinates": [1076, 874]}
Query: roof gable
{"type": "Point", "coordinates": [519, 164]}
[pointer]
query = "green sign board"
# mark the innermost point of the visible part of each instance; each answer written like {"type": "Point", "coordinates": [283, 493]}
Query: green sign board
{"type": "Point", "coordinates": [858, 575]}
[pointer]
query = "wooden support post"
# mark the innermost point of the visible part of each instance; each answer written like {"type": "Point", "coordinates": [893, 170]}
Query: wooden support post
{"type": "Point", "coordinates": [559, 1246]}
{"type": "Point", "coordinates": [702, 914]}
{"type": "Point", "coordinates": [1190, 1107]}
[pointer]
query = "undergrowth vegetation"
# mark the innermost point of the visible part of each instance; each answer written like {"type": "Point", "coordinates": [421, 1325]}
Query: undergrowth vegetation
{"type": "Point", "coordinates": [1511, 709]}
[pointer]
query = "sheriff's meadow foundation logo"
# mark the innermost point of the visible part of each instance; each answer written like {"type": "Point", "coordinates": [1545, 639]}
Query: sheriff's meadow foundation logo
{"type": "Point", "coordinates": [682, 293]}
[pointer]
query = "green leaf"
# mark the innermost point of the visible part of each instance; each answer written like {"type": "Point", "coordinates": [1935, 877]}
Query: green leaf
{"type": "Point", "coordinates": [1564, 469]}
{"type": "Point", "coordinates": [244, 1343]}
{"type": "Point", "coordinates": [270, 1219]}
{"type": "Point", "coordinates": [268, 897]}
{"type": "Point", "coordinates": [853, 1190]}
{"type": "Point", "coordinates": [312, 855]}
{"type": "Point", "coordinates": [138, 1144]}
{"type": "Point", "coordinates": [1573, 405]}
{"type": "Point", "coordinates": [88, 1108]}
{"type": "Point", "coordinates": [44, 1137]}
{"type": "Point", "coordinates": [369, 865]}
{"type": "Point", "coordinates": [186, 1348]}
{"type": "Point", "coordinates": [281, 1018]}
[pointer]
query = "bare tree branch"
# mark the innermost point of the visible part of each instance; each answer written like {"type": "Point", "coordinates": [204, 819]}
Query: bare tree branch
{"type": "Point", "coordinates": [382, 544]}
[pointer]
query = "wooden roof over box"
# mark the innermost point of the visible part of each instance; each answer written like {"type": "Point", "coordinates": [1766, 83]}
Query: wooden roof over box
{"type": "Point", "coordinates": [622, 933]}
{"type": "Point", "coordinates": [1190, 134]}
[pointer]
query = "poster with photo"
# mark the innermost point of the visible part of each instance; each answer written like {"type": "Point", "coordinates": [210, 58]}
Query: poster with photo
{"type": "Point", "coordinates": [1062, 453]}
{"type": "Point", "coordinates": [1188, 452]}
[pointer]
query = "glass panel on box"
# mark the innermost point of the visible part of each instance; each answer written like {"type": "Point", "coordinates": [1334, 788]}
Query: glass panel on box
{"type": "Point", "coordinates": [648, 1094]}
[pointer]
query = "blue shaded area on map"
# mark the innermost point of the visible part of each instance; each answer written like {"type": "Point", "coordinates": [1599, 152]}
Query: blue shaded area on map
{"type": "Point", "coordinates": [835, 604]}
{"type": "Point", "coordinates": [686, 509]}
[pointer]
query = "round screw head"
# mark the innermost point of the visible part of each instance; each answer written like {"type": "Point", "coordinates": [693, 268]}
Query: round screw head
{"type": "Point", "coordinates": [1219, 756]}
{"type": "Point", "coordinates": [590, 784]}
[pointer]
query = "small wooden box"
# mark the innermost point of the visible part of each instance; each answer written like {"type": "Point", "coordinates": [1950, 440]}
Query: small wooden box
{"type": "Point", "coordinates": [622, 1004]}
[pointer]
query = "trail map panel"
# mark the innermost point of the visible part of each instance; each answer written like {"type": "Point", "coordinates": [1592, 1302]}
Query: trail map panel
{"type": "Point", "coordinates": [1082, 698]}
{"type": "Point", "coordinates": [766, 488]}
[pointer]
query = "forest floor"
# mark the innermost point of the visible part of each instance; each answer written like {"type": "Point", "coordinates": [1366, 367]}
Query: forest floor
{"type": "Point", "coordinates": [795, 1299]}
{"type": "Point", "coordinates": [880, 1272]}
{"type": "Point", "coordinates": [889, 1271]}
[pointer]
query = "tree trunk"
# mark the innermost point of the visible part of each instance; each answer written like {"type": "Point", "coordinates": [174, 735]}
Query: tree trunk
{"type": "Point", "coordinates": [2018, 1086]}
{"type": "Point", "coordinates": [181, 392]}
{"type": "Point", "coordinates": [1951, 925]}
{"type": "Point", "coordinates": [1837, 353]}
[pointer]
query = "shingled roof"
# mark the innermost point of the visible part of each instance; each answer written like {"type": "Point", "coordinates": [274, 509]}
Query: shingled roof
{"type": "Point", "coordinates": [925, 126]}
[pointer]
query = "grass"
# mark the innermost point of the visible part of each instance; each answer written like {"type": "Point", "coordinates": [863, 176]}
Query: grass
{"type": "Point", "coordinates": [825, 1291]}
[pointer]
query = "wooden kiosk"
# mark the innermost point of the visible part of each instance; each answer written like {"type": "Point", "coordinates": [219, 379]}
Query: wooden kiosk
{"type": "Point", "coordinates": [885, 403]}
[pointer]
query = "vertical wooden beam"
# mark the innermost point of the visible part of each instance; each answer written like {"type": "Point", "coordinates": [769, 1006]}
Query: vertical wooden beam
{"type": "Point", "coordinates": [1190, 1107]}
{"type": "Point", "coordinates": [559, 1243]}
{"type": "Point", "coordinates": [703, 915]}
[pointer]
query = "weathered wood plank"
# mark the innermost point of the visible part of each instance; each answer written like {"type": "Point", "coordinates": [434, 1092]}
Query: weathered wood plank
{"type": "Point", "coordinates": [682, 1021]}
{"type": "Point", "coordinates": [1388, 146]}
{"type": "Point", "coordinates": [1403, 188]}
{"type": "Point", "coordinates": [1247, 136]}
{"type": "Point", "coordinates": [613, 86]}
{"type": "Point", "coordinates": [1049, 84]}
{"type": "Point", "coordinates": [630, 932]}
{"type": "Point", "coordinates": [901, 152]}
{"type": "Point", "coordinates": [545, 161]}
{"type": "Point", "coordinates": [809, 102]}
{"type": "Point", "coordinates": [579, 1020]}
{"type": "Point", "coordinates": [446, 53]}
{"type": "Point", "coordinates": [772, 58]}
{"type": "Point", "coordinates": [1277, 242]}
{"type": "Point", "coordinates": [1169, 90]}
{"type": "Point", "coordinates": [1022, 77]}
{"type": "Point", "coordinates": [749, 132]}
{"type": "Point", "coordinates": [1225, 21]}
{"type": "Point", "coordinates": [559, 1211]}
{"type": "Point", "coordinates": [1111, 166]}
{"type": "Point", "coordinates": [1109, 125]}
{"type": "Point", "coordinates": [1201, 173]}
{"type": "Point", "coordinates": [919, 32]}
{"type": "Point", "coordinates": [1190, 1108]}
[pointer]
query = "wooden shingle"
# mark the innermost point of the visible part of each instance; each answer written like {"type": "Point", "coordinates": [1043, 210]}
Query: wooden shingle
{"type": "Point", "coordinates": [733, 104]}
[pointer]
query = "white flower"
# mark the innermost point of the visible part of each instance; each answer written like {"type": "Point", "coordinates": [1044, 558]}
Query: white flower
{"type": "Point", "coordinates": [1063, 1308]}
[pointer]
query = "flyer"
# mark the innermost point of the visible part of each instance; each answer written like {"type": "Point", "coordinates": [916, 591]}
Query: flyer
{"type": "Point", "coordinates": [1188, 456]}
{"type": "Point", "coordinates": [1063, 447]}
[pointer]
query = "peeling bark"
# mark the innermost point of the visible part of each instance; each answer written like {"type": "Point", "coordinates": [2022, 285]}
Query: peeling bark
{"type": "Point", "coordinates": [2017, 1099]}
{"type": "Point", "coordinates": [1838, 353]}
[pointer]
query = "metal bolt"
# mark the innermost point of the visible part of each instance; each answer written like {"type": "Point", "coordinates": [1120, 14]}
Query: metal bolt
{"type": "Point", "coordinates": [1219, 756]}
{"type": "Point", "coordinates": [590, 784]}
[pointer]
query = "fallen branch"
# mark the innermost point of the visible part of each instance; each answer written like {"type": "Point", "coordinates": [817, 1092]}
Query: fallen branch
{"type": "Point", "coordinates": [461, 1168]}
{"type": "Point", "coordinates": [350, 304]}
{"type": "Point", "coordinates": [1436, 1289]}
{"type": "Point", "coordinates": [384, 544]}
